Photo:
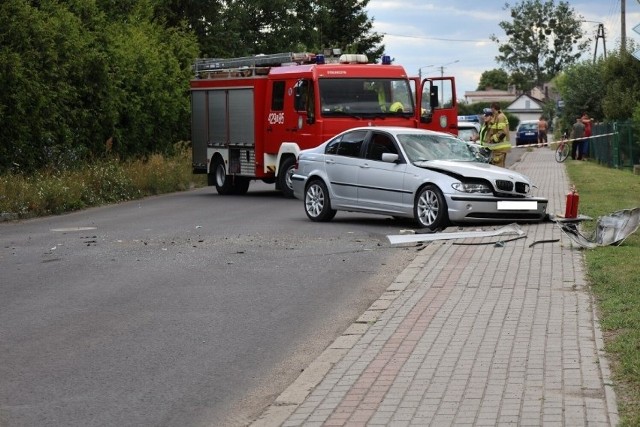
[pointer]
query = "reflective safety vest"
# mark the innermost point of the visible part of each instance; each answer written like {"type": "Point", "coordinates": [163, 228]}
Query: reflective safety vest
{"type": "Point", "coordinates": [483, 135]}
{"type": "Point", "coordinates": [396, 107]}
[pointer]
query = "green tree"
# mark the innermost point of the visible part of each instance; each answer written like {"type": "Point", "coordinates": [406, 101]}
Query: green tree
{"type": "Point", "coordinates": [202, 17]}
{"type": "Point", "coordinates": [542, 39]}
{"type": "Point", "coordinates": [345, 24]}
{"type": "Point", "coordinates": [581, 87]}
{"type": "Point", "coordinates": [496, 79]}
{"type": "Point", "coordinates": [249, 27]}
{"type": "Point", "coordinates": [621, 72]}
{"type": "Point", "coordinates": [150, 75]}
{"type": "Point", "coordinates": [48, 72]}
{"type": "Point", "coordinates": [74, 74]}
{"type": "Point", "coordinates": [607, 90]}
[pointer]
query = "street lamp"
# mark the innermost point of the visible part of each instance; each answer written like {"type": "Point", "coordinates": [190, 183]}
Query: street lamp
{"type": "Point", "coordinates": [440, 67]}
{"type": "Point", "coordinates": [422, 68]}
{"type": "Point", "coordinates": [444, 65]}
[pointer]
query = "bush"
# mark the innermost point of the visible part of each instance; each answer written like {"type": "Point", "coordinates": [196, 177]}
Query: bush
{"type": "Point", "coordinates": [55, 191]}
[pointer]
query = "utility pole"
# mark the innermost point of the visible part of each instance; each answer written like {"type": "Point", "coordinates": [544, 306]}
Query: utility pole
{"type": "Point", "coordinates": [600, 35]}
{"type": "Point", "coordinates": [623, 27]}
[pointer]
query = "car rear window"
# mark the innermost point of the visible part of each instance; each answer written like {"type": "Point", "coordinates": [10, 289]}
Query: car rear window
{"type": "Point", "coordinates": [467, 134]}
{"type": "Point", "coordinates": [528, 126]}
{"type": "Point", "coordinates": [348, 144]}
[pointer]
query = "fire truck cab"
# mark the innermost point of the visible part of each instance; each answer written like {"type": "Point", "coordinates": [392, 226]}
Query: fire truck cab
{"type": "Point", "coordinates": [251, 116]}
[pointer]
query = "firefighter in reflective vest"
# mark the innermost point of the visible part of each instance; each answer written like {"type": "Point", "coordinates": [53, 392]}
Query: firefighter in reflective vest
{"type": "Point", "coordinates": [487, 114]}
{"type": "Point", "coordinates": [497, 138]}
{"type": "Point", "coordinates": [396, 107]}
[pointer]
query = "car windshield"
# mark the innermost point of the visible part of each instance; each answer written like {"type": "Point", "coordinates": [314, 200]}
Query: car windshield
{"type": "Point", "coordinates": [424, 147]}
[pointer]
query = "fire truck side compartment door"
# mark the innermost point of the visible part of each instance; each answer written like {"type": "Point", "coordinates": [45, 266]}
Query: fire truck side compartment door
{"type": "Point", "coordinates": [217, 117]}
{"type": "Point", "coordinates": [241, 117]}
{"type": "Point", "coordinates": [199, 131]}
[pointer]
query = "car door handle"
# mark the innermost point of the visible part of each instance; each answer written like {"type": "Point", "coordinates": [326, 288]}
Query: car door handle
{"type": "Point", "coordinates": [329, 161]}
{"type": "Point", "coordinates": [365, 166]}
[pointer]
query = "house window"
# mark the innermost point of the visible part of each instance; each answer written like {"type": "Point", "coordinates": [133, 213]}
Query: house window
{"type": "Point", "coordinates": [527, 104]}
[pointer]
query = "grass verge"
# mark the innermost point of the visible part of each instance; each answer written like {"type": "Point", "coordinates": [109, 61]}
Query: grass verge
{"type": "Point", "coordinates": [52, 192]}
{"type": "Point", "coordinates": [614, 275]}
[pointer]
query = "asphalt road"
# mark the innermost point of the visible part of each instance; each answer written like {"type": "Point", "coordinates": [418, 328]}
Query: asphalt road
{"type": "Point", "coordinates": [187, 309]}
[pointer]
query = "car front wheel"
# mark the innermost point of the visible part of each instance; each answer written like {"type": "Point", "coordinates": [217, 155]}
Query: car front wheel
{"type": "Point", "coordinates": [317, 204]}
{"type": "Point", "coordinates": [430, 210]}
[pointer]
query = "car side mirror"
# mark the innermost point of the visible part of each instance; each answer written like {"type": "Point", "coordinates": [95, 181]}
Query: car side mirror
{"type": "Point", "coordinates": [390, 157]}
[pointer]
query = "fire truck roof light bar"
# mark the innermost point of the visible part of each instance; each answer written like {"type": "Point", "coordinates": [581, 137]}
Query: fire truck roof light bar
{"type": "Point", "coordinates": [351, 58]}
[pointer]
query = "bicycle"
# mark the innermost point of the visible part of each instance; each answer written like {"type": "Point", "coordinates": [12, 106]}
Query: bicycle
{"type": "Point", "coordinates": [563, 150]}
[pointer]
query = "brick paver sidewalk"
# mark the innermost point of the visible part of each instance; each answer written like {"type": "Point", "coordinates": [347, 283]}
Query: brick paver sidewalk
{"type": "Point", "coordinates": [469, 335]}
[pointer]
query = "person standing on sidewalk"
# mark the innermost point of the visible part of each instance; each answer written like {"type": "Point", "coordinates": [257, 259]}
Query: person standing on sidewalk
{"type": "Point", "coordinates": [577, 133]}
{"type": "Point", "coordinates": [498, 136]}
{"type": "Point", "coordinates": [543, 126]}
{"type": "Point", "coordinates": [584, 147]}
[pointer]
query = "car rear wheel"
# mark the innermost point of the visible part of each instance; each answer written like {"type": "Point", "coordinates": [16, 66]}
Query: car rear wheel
{"type": "Point", "coordinates": [430, 210]}
{"type": "Point", "coordinates": [317, 203]}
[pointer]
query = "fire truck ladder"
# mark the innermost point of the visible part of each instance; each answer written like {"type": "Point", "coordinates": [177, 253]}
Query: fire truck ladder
{"type": "Point", "coordinates": [246, 66]}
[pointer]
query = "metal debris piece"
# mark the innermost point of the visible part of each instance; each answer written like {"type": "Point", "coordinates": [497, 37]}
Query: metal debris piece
{"type": "Point", "coordinates": [611, 229]}
{"type": "Point", "coordinates": [413, 238]}
{"type": "Point", "coordinates": [544, 241]}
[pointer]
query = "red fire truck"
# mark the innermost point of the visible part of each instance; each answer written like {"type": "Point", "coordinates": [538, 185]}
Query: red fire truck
{"type": "Point", "coordinates": [251, 116]}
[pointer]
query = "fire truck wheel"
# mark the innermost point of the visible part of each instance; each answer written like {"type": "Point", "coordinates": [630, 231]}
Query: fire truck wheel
{"type": "Point", "coordinates": [317, 203]}
{"type": "Point", "coordinates": [430, 210]}
{"type": "Point", "coordinates": [284, 176]}
{"type": "Point", "coordinates": [222, 181]}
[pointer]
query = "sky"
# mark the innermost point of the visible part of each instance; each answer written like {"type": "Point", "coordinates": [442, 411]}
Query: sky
{"type": "Point", "coordinates": [452, 37]}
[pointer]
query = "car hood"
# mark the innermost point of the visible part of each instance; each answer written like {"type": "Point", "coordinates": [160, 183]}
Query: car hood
{"type": "Point", "coordinates": [471, 170]}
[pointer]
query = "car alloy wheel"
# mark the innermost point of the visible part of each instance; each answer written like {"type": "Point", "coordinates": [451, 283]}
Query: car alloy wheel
{"type": "Point", "coordinates": [430, 208]}
{"type": "Point", "coordinates": [317, 204]}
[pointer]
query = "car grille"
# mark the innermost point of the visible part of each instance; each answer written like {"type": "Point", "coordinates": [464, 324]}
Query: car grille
{"type": "Point", "coordinates": [521, 187]}
{"type": "Point", "coordinates": [504, 186]}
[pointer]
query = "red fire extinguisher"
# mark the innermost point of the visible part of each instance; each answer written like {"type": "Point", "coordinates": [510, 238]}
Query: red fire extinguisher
{"type": "Point", "coordinates": [572, 203]}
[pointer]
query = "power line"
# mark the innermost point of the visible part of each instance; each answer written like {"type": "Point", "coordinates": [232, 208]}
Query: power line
{"type": "Point", "coordinates": [436, 38]}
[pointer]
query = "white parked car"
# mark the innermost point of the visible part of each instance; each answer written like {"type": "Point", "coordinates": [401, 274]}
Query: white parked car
{"type": "Point", "coordinates": [432, 177]}
{"type": "Point", "coordinates": [468, 131]}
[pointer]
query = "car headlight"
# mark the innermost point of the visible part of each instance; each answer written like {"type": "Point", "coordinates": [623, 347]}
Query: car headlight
{"type": "Point", "coordinates": [468, 187]}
